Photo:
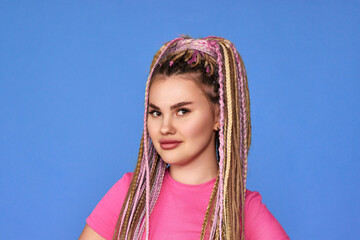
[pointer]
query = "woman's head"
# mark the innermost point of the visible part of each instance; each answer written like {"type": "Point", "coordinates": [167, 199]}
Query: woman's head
{"type": "Point", "coordinates": [213, 67]}
{"type": "Point", "coordinates": [190, 77]}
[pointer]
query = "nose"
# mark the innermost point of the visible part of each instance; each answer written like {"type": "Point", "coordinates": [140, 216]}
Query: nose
{"type": "Point", "coordinates": [167, 126]}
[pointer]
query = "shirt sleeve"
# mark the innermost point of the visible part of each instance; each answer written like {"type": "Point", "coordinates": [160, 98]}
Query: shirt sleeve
{"type": "Point", "coordinates": [260, 224]}
{"type": "Point", "coordinates": [104, 217]}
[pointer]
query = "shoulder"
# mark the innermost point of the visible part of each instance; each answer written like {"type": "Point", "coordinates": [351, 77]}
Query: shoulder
{"type": "Point", "coordinates": [259, 222]}
{"type": "Point", "coordinates": [253, 200]}
{"type": "Point", "coordinates": [104, 217]}
{"type": "Point", "coordinates": [123, 182]}
{"type": "Point", "coordinates": [118, 191]}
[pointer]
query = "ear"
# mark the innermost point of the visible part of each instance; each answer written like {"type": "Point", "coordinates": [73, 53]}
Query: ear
{"type": "Point", "coordinates": [217, 126]}
{"type": "Point", "coordinates": [217, 117]}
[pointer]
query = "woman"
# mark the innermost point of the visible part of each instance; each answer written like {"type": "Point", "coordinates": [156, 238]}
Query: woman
{"type": "Point", "coordinates": [190, 178]}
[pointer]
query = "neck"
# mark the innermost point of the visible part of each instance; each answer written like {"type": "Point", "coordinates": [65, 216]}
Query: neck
{"type": "Point", "coordinates": [197, 172]}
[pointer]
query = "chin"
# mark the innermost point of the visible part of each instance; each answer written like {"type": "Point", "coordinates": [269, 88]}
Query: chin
{"type": "Point", "coordinates": [172, 159]}
{"type": "Point", "coordinates": [176, 161]}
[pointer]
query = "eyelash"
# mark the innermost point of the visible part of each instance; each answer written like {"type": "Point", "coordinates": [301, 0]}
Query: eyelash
{"type": "Point", "coordinates": [152, 113]}
{"type": "Point", "coordinates": [185, 110]}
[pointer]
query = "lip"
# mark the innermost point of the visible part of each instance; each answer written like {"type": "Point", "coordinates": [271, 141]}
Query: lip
{"type": "Point", "coordinates": [169, 144]}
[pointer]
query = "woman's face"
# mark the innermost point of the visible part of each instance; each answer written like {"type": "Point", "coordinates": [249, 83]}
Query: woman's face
{"type": "Point", "coordinates": [181, 120]}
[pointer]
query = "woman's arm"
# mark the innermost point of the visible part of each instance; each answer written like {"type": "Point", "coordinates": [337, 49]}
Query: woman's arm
{"type": "Point", "coordinates": [89, 234]}
{"type": "Point", "coordinates": [260, 224]}
{"type": "Point", "coordinates": [102, 221]}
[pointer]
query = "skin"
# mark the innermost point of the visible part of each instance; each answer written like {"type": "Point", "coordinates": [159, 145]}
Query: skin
{"type": "Point", "coordinates": [89, 234]}
{"type": "Point", "coordinates": [193, 161]}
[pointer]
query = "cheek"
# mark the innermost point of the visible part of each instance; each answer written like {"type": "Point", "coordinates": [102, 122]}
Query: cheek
{"type": "Point", "coordinates": [151, 128]}
{"type": "Point", "coordinates": [198, 127]}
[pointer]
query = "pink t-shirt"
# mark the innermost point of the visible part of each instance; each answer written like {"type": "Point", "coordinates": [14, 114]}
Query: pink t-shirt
{"type": "Point", "coordinates": [179, 212]}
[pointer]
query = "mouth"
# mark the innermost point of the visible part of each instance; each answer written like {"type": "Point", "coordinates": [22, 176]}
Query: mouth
{"type": "Point", "coordinates": [169, 144]}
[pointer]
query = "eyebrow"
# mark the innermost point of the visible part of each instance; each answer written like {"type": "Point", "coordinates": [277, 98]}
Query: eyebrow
{"type": "Point", "coordinates": [177, 105]}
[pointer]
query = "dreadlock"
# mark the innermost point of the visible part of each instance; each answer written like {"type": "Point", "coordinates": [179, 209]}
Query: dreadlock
{"type": "Point", "coordinates": [217, 66]}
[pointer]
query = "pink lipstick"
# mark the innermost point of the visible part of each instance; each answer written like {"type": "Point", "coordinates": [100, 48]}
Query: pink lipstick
{"type": "Point", "coordinates": [169, 144]}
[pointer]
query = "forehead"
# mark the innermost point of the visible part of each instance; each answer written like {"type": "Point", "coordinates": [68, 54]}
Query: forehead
{"type": "Point", "coordinates": [176, 88]}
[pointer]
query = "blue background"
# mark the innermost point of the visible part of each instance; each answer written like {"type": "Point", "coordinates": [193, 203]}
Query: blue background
{"type": "Point", "coordinates": [72, 81]}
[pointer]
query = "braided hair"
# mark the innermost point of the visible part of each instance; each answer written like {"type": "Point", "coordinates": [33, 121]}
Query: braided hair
{"type": "Point", "coordinates": [219, 69]}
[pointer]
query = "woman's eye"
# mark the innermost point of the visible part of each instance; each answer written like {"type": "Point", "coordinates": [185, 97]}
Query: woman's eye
{"type": "Point", "coordinates": [154, 113]}
{"type": "Point", "coordinates": [183, 111]}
